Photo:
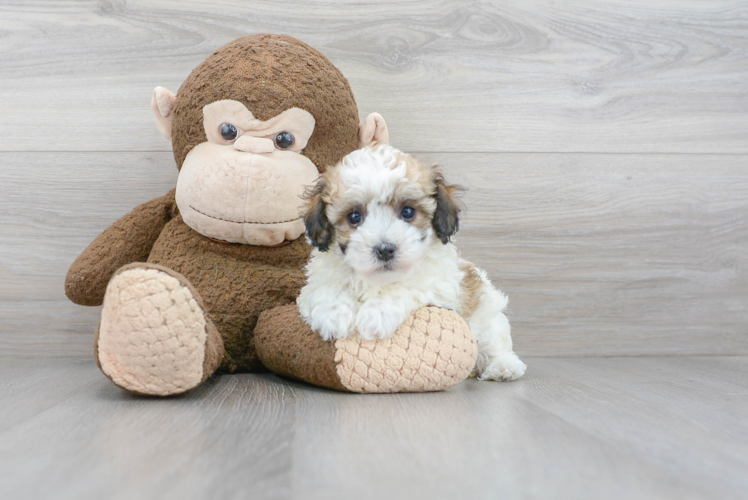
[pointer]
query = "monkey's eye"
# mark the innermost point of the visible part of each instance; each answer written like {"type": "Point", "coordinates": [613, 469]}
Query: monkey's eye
{"type": "Point", "coordinates": [228, 131]}
{"type": "Point", "coordinates": [408, 213]}
{"type": "Point", "coordinates": [284, 140]}
{"type": "Point", "coordinates": [355, 218]}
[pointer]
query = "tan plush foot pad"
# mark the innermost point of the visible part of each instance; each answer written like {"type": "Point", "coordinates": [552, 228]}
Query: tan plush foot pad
{"type": "Point", "coordinates": [432, 350]}
{"type": "Point", "coordinates": [153, 334]}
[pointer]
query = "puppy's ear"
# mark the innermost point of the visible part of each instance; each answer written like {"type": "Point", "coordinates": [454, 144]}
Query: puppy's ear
{"type": "Point", "coordinates": [446, 216]}
{"type": "Point", "coordinates": [318, 227]}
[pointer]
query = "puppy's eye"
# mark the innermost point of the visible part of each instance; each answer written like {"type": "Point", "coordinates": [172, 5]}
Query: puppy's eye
{"type": "Point", "coordinates": [228, 131]}
{"type": "Point", "coordinates": [284, 140]}
{"type": "Point", "coordinates": [355, 218]}
{"type": "Point", "coordinates": [408, 213]}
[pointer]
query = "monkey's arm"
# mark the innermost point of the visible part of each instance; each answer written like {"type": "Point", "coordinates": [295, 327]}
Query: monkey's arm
{"type": "Point", "coordinates": [129, 239]}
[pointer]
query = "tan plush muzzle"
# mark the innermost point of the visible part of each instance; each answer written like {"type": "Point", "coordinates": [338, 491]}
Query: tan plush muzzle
{"type": "Point", "coordinates": [242, 197]}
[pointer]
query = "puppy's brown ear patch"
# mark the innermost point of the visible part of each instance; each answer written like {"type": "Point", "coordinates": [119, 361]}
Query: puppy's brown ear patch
{"type": "Point", "coordinates": [446, 216]}
{"type": "Point", "coordinates": [318, 227]}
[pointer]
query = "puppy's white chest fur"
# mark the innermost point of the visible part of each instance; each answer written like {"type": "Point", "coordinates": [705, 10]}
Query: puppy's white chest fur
{"type": "Point", "coordinates": [337, 301]}
{"type": "Point", "coordinates": [436, 281]}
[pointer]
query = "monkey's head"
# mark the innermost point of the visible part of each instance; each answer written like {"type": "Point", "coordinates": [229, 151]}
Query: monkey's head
{"type": "Point", "coordinates": [251, 127]}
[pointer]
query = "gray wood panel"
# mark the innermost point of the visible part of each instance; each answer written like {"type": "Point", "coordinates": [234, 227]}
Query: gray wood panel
{"type": "Point", "coordinates": [613, 254]}
{"type": "Point", "coordinates": [600, 254]}
{"type": "Point", "coordinates": [448, 75]}
{"type": "Point", "coordinates": [576, 428]}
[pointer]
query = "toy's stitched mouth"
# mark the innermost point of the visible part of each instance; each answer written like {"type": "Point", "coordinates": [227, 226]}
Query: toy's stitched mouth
{"type": "Point", "coordinates": [244, 222]}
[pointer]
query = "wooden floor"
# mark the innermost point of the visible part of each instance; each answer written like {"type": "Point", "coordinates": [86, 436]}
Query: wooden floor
{"type": "Point", "coordinates": [604, 146]}
{"type": "Point", "coordinates": [640, 428]}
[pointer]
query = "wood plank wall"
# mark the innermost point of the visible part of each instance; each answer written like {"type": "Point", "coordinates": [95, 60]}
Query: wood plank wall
{"type": "Point", "coordinates": [604, 145]}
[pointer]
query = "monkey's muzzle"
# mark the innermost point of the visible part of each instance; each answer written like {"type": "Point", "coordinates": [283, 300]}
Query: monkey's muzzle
{"type": "Point", "coordinates": [242, 197]}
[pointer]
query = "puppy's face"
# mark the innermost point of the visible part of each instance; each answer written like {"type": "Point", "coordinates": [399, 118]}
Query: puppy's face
{"type": "Point", "coordinates": [380, 209]}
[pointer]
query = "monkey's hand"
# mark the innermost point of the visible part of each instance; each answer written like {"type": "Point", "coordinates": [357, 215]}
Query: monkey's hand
{"type": "Point", "coordinates": [129, 239]}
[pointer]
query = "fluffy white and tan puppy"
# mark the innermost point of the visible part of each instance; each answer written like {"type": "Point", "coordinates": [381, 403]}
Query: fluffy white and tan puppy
{"type": "Point", "coordinates": [381, 223]}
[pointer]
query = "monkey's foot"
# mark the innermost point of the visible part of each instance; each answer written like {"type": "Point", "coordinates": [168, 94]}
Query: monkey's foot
{"type": "Point", "coordinates": [432, 350]}
{"type": "Point", "coordinates": [154, 337]}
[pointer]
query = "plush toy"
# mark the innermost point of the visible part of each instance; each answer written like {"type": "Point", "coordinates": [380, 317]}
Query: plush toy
{"type": "Point", "coordinates": [205, 277]}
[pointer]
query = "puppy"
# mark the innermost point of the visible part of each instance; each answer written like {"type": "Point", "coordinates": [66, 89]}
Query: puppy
{"type": "Point", "coordinates": [381, 223]}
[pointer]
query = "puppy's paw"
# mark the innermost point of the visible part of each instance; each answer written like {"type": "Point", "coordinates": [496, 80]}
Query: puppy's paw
{"type": "Point", "coordinates": [504, 367]}
{"type": "Point", "coordinates": [333, 321]}
{"type": "Point", "coordinates": [376, 322]}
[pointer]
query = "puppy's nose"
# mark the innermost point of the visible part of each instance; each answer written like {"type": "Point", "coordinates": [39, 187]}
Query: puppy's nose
{"type": "Point", "coordinates": [385, 252]}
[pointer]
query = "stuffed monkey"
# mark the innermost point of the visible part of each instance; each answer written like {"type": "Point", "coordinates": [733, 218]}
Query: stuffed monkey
{"type": "Point", "coordinates": [205, 277]}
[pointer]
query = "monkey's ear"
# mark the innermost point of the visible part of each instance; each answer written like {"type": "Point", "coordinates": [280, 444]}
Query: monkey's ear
{"type": "Point", "coordinates": [318, 227]}
{"type": "Point", "coordinates": [162, 104]}
{"type": "Point", "coordinates": [373, 128]}
{"type": "Point", "coordinates": [446, 216]}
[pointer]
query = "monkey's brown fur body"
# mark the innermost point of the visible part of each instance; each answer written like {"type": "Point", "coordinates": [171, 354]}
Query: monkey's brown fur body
{"type": "Point", "coordinates": [224, 288]}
